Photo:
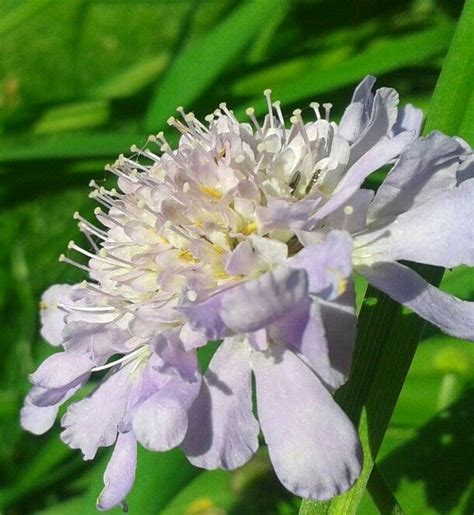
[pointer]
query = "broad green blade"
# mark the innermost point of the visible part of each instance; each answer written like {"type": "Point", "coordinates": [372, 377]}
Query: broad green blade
{"type": "Point", "coordinates": [199, 64]}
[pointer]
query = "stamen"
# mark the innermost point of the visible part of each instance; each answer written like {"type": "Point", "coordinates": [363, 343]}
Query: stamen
{"type": "Point", "coordinates": [90, 227]}
{"type": "Point", "coordinates": [123, 359]}
{"type": "Point", "coordinates": [277, 106]}
{"type": "Point", "coordinates": [99, 213]}
{"type": "Point", "coordinates": [145, 152]}
{"type": "Point", "coordinates": [229, 113]}
{"type": "Point", "coordinates": [116, 262]}
{"type": "Point", "coordinates": [268, 95]}
{"type": "Point", "coordinates": [250, 112]}
{"type": "Point", "coordinates": [120, 173]}
{"type": "Point", "coordinates": [86, 309]}
{"type": "Point", "coordinates": [315, 107]}
{"type": "Point", "coordinates": [63, 259]}
{"type": "Point", "coordinates": [327, 108]}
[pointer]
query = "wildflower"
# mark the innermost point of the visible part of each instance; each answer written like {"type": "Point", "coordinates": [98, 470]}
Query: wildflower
{"type": "Point", "coordinates": [220, 239]}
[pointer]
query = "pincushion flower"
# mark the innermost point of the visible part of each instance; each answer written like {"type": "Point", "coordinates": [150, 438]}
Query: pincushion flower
{"type": "Point", "coordinates": [223, 238]}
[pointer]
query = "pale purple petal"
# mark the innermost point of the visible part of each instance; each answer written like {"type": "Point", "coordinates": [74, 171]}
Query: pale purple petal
{"type": "Point", "coordinates": [161, 421]}
{"type": "Point", "coordinates": [249, 305]}
{"type": "Point", "coordinates": [43, 397]}
{"type": "Point", "coordinates": [283, 213]}
{"type": "Point", "coordinates": [324, 333]}
{"type": "Point", "coordinates": [255, 304]}
{"type": "Point", "coordinates": [99, 341]}
{"type": "Point", "coordinates": [243, 260]}
{"type": "Point", "coordinates": [313, 446]}
{"type": "Point", "coordinates": [38, 420]}
{"type": "Point", "coordinates": [222, 429]}
{"type": "Point", "coordinates": [256, 254]}
{"type": "Point", "coordinates": [438, 232]}
{"type": "Point", "coordinates": [92, 422]}
{"type": "Point", "coordinates": [191, 339]}
{"type": "Point", "coordinates": [52, 317]}
{"type": "Point", "coordinates": [175, 359]}
{"type": "Point", "coordinates": [450, 314]}
{"type": "Point", "coordinates": [409, 118]}
{"type": "Point", "coordinates": [61, 369]}
{"type": "Point", "coordinates": [340, 323]}
{"type": "Point", "coordinates": [426, 169]}
{"type": "Point", "coordinates": [352, 215]}
{"type": "Point", "coordinates": [466, 169]}
{"type": "Point", "coordinates": [357, 113]}
{"type": "Point", "coordinates": [382, 118]}
{"type": "Point", "coordinates": [205, 316]}
{"type": "Point", "coordinates": [303, 330]}
{"type": "Point", "coordinates": [119, 475]}
{"type": "Point", "coordinates": [327, 264]}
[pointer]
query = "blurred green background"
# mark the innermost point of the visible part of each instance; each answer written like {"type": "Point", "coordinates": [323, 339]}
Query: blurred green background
{"type": "Point", "coordinates": [82, 80]}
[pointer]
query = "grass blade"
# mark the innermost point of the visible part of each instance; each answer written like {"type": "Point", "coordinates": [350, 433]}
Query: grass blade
{"type": "Point", "coordinates": [68, 146]}
{"type": "Point", "coordinates": [381, 57]}
{"type": "Point", "coordinates": [200, 63]}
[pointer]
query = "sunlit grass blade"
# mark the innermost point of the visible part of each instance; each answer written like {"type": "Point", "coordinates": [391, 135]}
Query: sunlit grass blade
{"type": "Point", "coordinates": [455, 87]}
{"type": "Point", "coordinates": [199, 64]}
{"type": "Point", "coordinates": [381, 57]}
{"type": "Point", "coordinates": [387, 335]}
{"type": "Point", "coordinates": [132, 80]}
{"type": "Point", "coordinates": [68, 146]}
{"type": "Point", "coordinates": [73, 116]}
{"type": "Point", "coordinates": [267, 33]}
{"type": "Point", "coordinates": [20, 14]}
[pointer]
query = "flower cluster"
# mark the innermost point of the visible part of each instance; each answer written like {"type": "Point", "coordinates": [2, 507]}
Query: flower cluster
{"type": "Point", "coordinates": [248, 233]}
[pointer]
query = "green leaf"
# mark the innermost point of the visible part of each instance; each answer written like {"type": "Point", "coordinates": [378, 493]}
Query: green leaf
{"type": "Point", "coordinates": [68, 146]}
{"type": "Point", "coordinates": [455, 86]}
{"type": "Point", "coordinates": [202, 61]}
{"type": "Point", "coordinates": [208, 491]}
{"type": "Point", "coordinates": [21, 14]}
{"type": "Point", "coordinates": [130, 81]}
{"type": "Point", "coordinates": [264, 38]}
{"type": "Point", "coordinates": [73, 116]}
{"type": "Point", "coordinates": [381, 57]}
{"type": "Point", "coordinates": [431, 471]}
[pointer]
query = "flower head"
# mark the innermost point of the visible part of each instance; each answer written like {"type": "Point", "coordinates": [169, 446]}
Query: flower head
{"type": "Point", "coordinates": [227, 237]}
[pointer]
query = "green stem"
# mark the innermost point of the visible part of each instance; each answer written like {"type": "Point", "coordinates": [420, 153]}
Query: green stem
{"type": "Point", "coordinates": [388, 338]}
